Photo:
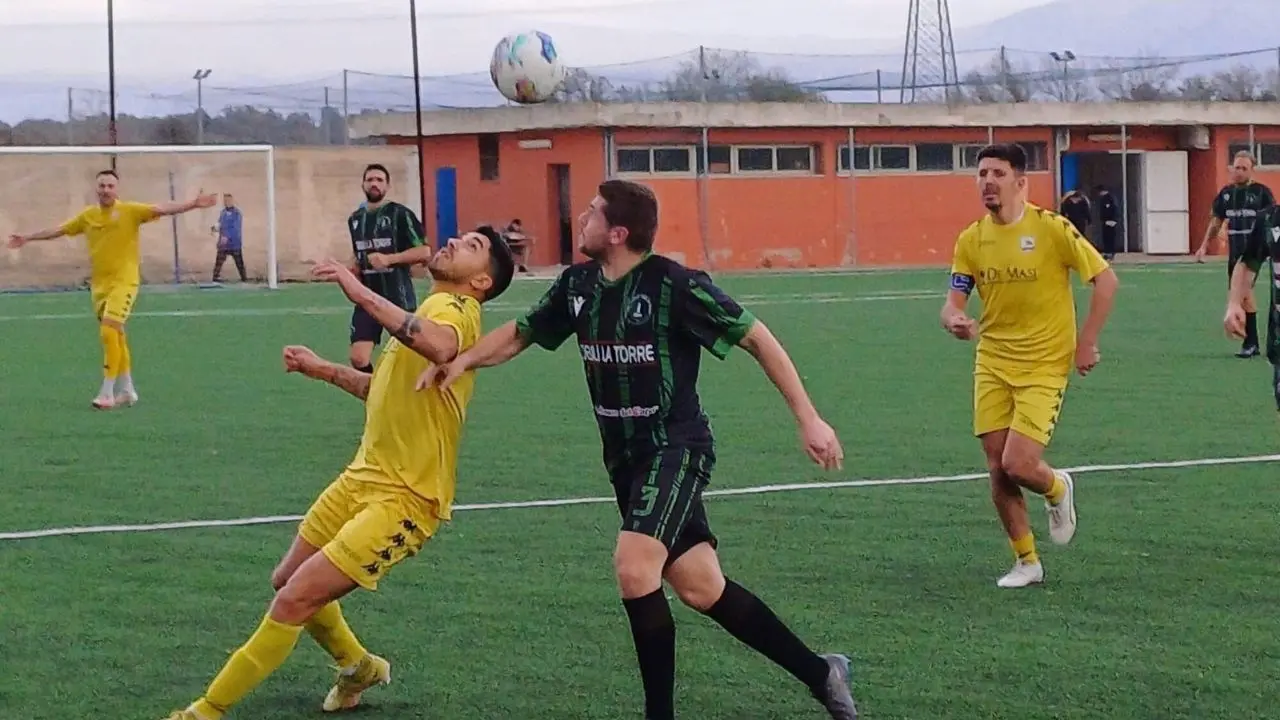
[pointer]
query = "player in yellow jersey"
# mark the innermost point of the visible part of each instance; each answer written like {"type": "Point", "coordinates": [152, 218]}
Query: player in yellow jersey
{"type": "Point", "coordinates": [112, 228]}
{"type": "Point", "coordinates": [1019, 258]}
{"type": "Point", "coordinates": [393, 495]}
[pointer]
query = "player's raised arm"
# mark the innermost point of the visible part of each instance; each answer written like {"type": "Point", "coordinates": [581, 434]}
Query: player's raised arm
{"type": "Point", "coordinates": [436, 342]}
{"type": "Point", "coordinates": [71, 228]}
{"type": "Point", "coordinates": [300, 359]}
{"type": "Point", "coordinates": [954, 315]}
{"type": "Point", "coordinates": [201, 200]}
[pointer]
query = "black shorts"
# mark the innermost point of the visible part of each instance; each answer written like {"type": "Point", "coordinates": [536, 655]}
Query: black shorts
{"type": "Point", "coordinates": [663, 499]}
{"type": "Point", "coordinates": [364, 328]}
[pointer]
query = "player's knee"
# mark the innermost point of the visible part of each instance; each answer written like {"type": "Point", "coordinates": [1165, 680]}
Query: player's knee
{"type": "Point", "coordinates": [292, 606]}
{"type": "Point", "coordinates": [359, 357]}
{"type": "Point", "coordinates": [638, 572]}
{"type": "Point", "coordinates": [1019, 465]}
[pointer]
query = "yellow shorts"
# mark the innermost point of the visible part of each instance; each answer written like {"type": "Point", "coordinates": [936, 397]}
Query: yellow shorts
{"type": "Point", "coordinates": [367, 528]}
{"type": "Point", "coordinates": [114, 302]}
{"type": "Point", "coordinates": [1028, 405]}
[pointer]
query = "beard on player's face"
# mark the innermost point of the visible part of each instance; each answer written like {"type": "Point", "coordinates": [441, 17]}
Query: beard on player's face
{"type": "Point", "coordinates": [374, 194]}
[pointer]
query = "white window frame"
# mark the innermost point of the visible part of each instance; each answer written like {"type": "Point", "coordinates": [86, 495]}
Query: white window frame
{"type": "Point", "coordinates": [773, 152]}
{"type": "Point", "coordinates": [653, 171]}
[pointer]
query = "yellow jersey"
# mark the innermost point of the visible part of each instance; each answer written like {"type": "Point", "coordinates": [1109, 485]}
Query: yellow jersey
{"type": "Point", "coordinates": [113, 234]}
{"type": "Point", "coordinates": [411, 438]}
{"type": "Point", "coordinates": [1022, 274]}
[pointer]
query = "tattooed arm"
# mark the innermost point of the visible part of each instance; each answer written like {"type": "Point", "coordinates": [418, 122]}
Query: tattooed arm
{"type": "Point", "coordinates": [433, 341]}
{"type": "Point", "coordinates": [301, 359]}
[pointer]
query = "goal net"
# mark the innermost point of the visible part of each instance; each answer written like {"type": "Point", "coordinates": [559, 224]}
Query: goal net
{"type": "Point", "coordinates": [41, 187]}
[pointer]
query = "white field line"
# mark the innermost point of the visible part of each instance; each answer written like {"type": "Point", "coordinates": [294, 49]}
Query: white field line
{"type": "Point", "coordinates": [566, 502]}
{"type": "Point", "coordinates": [749, 300]}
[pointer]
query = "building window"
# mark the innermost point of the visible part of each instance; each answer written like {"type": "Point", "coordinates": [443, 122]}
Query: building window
{"type": "Point", "coordinates": [1269, 154]}
{"type": "Point", "coordinates": [755, 159]}
{"type": "Point", "coordinates": [891, 157]}
{"type": "Point", "coordinates": [634, 160]}
{"type": "Point", "coordinates": [861, 158]}
{"type": "Point", "coordinates": [969, 156]}
{"type": "Point", "coordinates": [1236, 147]}
{"type": "Point", "coordinates": [795, 159]}
{"type": "Point", "coordinates": [719, 158]}
{"type": "Point", "coordinates": [1037, 155]}
{"type": "Point", "coordinates": [659, 160]}
{"type": "Point", "coordinates": [488, 146]}
{"type": "Point", "coordinates": [935, 157]}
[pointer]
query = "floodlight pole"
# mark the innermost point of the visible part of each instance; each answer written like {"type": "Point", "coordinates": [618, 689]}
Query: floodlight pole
{"type": "Point", "coordinates": [199, 77]}
{"type": "Point", "coordinates": [417, 115]}
{"type": "Point", "coordinates": [113, 137]}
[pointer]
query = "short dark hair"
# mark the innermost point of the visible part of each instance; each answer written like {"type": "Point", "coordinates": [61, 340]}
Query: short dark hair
{"type": "Point", "coordinates": [634, 207]}
{"type": "Point", "coordinates": [112, 173]}
{"type": "Point", "coordinates": [1011, 153]}
{"type": "Point", "coordinates": [376, 166]}
{"type": "Point", "coordinates": [502, 264]}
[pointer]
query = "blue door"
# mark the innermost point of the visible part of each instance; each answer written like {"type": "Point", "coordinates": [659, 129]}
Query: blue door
{"type": "Point", "coordinates": [1070, 173]}
{"type": "Point", "coordinates": [446, 205]}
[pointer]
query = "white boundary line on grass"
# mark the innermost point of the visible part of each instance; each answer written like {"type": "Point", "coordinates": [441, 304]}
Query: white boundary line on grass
{"type": "Point", "coordinates": [566, 502]}
{"type": "Point", "coordinates": [751, 300]}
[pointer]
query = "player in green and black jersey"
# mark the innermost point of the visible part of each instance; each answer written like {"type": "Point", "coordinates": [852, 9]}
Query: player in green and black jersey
{"type": "Point", "coordinates": [1239, 205]}
{"type": "Point", "coordinates": [387, 240]}
{"type": "Point", "coordinates": [642, 322]}
{"type": "Point", "coordinates": [1262, 251]}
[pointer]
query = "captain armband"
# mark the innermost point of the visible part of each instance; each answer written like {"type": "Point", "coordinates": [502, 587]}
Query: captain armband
{"type": "Point", "coordinates": [962, 282]}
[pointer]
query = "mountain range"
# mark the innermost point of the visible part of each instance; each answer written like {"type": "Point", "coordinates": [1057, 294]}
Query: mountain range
{"type": "Point", "coordinates": [1097, 31]}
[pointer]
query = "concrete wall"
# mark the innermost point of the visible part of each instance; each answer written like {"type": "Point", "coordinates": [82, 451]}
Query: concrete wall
{"type": "Point", "coordinates": [316, 189]}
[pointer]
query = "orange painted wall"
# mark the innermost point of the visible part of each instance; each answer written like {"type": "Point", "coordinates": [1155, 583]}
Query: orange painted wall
{"type": "Point", "coordinates": [523, 189]}
{"type": "Point", "coordinates": [821, 220]}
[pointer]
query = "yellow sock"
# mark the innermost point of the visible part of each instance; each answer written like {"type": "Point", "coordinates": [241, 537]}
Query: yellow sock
{"type": "Point", "coordinates": [1057, 491]}
{"type": "Point", "coordinates": [126, 359]}
{"type": "Point", "coordinates": [265, 651]}
{"type": "Point", "coordinates": [331, 631]}
{"type": "Point", "coordinates": [1024, 549]}
{"type": "Point", "coordinates": [112, 340]}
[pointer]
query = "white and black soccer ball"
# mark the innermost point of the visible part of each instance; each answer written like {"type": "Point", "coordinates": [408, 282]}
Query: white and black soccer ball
{"type": "Point", "coordinates": [526, 68]}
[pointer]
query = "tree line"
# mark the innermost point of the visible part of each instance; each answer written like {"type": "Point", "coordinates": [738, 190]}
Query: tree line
{"type": "Point", "coordinates": [711, 77]}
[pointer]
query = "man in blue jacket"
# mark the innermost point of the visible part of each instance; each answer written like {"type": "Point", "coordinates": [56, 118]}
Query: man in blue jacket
{"type": "Point", "coordinates": [230, 231]}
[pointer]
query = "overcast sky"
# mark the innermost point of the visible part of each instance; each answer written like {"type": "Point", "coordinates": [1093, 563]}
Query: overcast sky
{"type": "Point", "coordinates": [294, 36]}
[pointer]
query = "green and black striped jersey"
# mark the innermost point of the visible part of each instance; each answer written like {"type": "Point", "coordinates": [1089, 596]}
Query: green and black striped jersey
{"type": "Point", "coordinates": [387, 229]}
{"type": "Point", "coordinates": [1241, 206]}
{"type": "Point", "coordinates": [641, 339]}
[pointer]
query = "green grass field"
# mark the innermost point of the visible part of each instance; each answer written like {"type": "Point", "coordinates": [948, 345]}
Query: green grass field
{"type": "Point", "coordinates": [1163, 608]}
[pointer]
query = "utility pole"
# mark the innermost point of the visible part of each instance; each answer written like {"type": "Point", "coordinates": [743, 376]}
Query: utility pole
{"type": "Point", "coordinates": [1064, 59]}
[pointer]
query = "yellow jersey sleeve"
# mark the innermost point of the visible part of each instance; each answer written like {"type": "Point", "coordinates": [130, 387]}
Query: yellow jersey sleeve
{"type": "Point", "coordinates": [139, 213]}
{"type": "Point", "coordinates": [964, 269]}
{"type": "Point", "coordinates": [1078, 253]}
{"type": "Point", "coordinates": [76, 225]}
{"type": "Point", "coordinates": [458, 312]}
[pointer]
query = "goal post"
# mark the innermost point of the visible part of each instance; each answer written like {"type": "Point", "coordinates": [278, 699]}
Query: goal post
{"type": "Point", "coordinates": [42, 186]}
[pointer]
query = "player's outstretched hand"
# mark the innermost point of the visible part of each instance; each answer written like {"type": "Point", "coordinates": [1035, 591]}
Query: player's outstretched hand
{"type": "Point", "coordinates": [205, 200]}
{"type": "Point", "coordinates": [16, 241]}
{"type": "Point", "coordinates": [334, 271]}
{"type": "Point", "coordinates": [962, 326]}
{"type": "Point", "coordinates": [1233, 321]}
{"type": "Point", "coordinates": [1087, 358]}
{"type": "Point", "coordinates": [821, 444]}
{"type": "Point", "coordinates": [300, 359]}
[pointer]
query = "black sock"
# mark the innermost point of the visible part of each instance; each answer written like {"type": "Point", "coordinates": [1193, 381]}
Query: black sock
{"type": "Point", "coordinates": [1251, 329]}
{"type": "Point", "coordinates": [747, 618]}
{"type": "Point", "coordinates": [654, 632]}
{"type": "Point", "coordinates": [365, 368]}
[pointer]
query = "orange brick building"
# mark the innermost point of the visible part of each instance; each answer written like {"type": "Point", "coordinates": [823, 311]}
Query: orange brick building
{"type": "Point", "coordinates": [775, 185]}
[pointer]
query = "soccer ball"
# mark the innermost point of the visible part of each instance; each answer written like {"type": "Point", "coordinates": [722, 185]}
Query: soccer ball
{"type": "Point", "coordinates": [526, 67]}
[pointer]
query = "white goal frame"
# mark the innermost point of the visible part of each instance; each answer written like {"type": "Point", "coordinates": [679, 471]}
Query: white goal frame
{"type": "Point", "coordinates": [273, 270]}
